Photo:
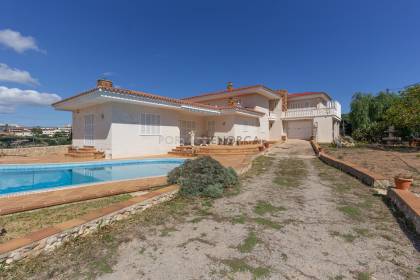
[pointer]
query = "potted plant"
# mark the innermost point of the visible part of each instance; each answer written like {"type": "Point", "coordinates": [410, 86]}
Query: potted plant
{"type": "Point", "coordinates": [403, 181]}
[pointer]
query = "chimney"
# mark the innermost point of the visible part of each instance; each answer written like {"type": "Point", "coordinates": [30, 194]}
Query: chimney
{"type": "Point", "coordinates": [102, 83]}
{"type": "Point", "coordinates": [229, 86]}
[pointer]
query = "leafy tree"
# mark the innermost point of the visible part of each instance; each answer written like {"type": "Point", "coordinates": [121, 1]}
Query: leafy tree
{"type": "Point", "coordinates": [36, 131]}
{"type": "Point", "coordinates": [367, 116]}
{"type": "Point", "coordinates": [59, 134]}
{"type": "Point", "coordinates": [405, 113]}
{"type": "Point", "coordinates": [359, 110]}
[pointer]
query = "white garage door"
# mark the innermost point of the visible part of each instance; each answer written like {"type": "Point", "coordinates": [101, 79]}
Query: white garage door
{"type": "Point", "coordinates": [299, 129]}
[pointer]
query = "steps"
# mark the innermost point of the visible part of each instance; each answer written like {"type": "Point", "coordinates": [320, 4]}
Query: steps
{"type": "Point", "coordinates": [189, 151]}
{"type": "Point", "coordinates": [85, 152]}
{"type": "Point", "coordinates": [183, 151]}
{"type": "Point", "coordinates": [229, 150]}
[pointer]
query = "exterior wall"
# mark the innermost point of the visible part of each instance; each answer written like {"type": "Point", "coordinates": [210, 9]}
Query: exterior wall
{"type": "Point", "coordinates": [224, 126]}
{"type": "Point", "coordinates": [246, 128]}
{"type": "Point", "coordinates": [324, 129]}
{"type": "Point", "coordinates": [102, 119]}
{"type": "Point", "coordinates": [276, 130]}
{"type": "Point", "coordinates": [127, 140]}
{"type": "Point", "coordinates": [256, 102]}
{"type": "Point", "coordinates": [336, 129]}
{"type": "Point", "coordinates": [259, 103]}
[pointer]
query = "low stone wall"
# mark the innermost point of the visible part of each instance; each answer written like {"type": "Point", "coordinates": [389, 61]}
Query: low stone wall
{"type": "Point", "coordinates": [48, 239]}
{"type": "Point", "coordinates": [408, 203]}
{"type": "Point", "coordinates": [366, 176]}
{"type": "Point", "coordinates": [35, 151]}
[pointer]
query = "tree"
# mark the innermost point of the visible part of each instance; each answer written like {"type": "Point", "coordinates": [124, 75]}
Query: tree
{"type": "Point", "coordinates": [359, 110]}
{"type": "Point", "coordinates": [367, 115]}
{"type": "Point", "coordinates": [405, 113]}
{"type": "Point", "coordinates": [36, 131]}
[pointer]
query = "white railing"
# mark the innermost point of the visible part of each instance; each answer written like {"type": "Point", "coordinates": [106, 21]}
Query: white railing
{"type": "Point", "coordinates": [312, 112]}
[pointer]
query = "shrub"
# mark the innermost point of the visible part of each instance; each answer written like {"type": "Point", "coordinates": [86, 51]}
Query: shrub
{"type": "Point", "coordinates": [203, 176]}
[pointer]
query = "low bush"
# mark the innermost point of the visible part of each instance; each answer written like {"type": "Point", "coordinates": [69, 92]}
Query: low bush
{"type": "Point", "coordinates": [203, 176]}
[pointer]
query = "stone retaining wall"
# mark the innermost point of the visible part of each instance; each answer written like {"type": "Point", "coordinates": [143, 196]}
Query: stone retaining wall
{"type": "Point", "coordinates": [366, 176]}
{"type": "Point", "coordinates": [35, 151]}
{"type": "Point", "coordinates": [408, 203]}
{"type": "Point", "coordinates": [48, 239]}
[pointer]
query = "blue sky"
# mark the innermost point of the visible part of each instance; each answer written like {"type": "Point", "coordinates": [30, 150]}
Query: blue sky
{"type": "Point", "coordinates": [182, 48]}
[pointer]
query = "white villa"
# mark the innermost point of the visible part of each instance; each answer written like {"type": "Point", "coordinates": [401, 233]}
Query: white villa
{"type": "Point", "coordinates": [125, 123]}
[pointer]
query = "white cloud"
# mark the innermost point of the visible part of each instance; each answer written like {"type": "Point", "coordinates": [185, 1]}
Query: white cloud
{"type": "Point", "coordinates": [14, 40]}
{"type": "Point", "coordinates": [8, 74]}
{"type": "Point", "coordinates": [10, 98]}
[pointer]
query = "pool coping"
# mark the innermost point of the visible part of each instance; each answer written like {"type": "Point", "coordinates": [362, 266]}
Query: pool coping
{"type": "Point", "coordinates": [52, 165]}
{"type": "Point", "coordinates": [47, 166]}
{"type": "Point", "coordinates": [38, 200]}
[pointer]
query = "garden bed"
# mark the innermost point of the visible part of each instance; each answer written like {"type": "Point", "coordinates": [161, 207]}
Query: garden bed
{"type": "Point", "coordinates": [385, 161]}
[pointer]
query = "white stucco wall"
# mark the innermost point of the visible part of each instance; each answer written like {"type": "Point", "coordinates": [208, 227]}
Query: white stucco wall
{"type": "Point", "coordinates": [253, 101]}
{"type": "Point", "coordinates": [277, 130]}
{"type": "Point", "coordinates": [224, 125]}
{"type": "Point", "coordinates": [246, 128]}
{"type": "Point", "coordinates": [127, 140]}
{"type": "Point", "coordinates": [102, 115]}
{"type": "Point", "coordinates": [324, 129]}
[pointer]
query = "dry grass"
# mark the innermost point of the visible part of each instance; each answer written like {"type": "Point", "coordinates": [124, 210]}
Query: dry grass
{"type": "Point", "coordinates": [387, 162]}
{"type": "Point", "coordinates": [23, 223]}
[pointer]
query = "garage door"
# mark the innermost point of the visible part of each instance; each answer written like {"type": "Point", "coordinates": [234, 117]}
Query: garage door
{"type": "Point", "coordinates": [299, 129]}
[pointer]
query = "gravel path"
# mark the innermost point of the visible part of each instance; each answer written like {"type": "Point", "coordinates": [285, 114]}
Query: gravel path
{"type": "Point", "coordinates": [295, 218]}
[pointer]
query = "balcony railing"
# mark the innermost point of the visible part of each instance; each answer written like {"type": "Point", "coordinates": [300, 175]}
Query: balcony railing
{"type": "Point", "coordinates": [311, 112]}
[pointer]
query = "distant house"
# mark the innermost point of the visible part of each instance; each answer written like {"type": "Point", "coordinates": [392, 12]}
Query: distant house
{"type": "Point", "coordinates": [125, 123]}
{"type": "Point", "coordinates": [51, 131]}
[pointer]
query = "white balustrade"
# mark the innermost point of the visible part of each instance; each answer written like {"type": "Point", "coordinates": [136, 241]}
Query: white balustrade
{"type": "Point", "coordinates": [333, 110]}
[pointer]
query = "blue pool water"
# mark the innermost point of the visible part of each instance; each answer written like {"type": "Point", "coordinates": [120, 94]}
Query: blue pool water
{"type": "Point", "coordinates": [15, 179]}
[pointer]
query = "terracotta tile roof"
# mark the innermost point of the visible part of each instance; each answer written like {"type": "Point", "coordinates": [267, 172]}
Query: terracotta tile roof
{"type": "Point", "coordinates": [137, 93]}
{"type": "Point", "coordinates": [158, 97]}
{"type": "Point", "coordinates": [226, 91]}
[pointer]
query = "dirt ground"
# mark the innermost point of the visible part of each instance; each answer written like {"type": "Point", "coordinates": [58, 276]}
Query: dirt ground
{"type": "Point", "coordinates": [293, 218]}
{"type": "Point", "coordinates": [386, 162]}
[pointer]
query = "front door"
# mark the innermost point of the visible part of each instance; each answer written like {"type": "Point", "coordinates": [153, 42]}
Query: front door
{"type": "Point", "coordinates": [89, 134]}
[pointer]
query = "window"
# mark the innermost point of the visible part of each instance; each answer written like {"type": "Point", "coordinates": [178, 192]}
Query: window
{"type": "Point", "coordinates": [244, 125]}
{"type": "Point", "coordinates": [149, 124]}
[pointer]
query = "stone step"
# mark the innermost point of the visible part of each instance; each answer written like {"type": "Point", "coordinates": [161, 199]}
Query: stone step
{"type": "Point", "coordinates": [230, 153]}
{"type": "Point", "coordinates": [182, 154]}
{"type": "Point", "coordinates": [80, 155]}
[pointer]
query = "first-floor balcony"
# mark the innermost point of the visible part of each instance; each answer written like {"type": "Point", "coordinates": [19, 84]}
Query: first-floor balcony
{"type": "Point", "coordinates": [312, 112]}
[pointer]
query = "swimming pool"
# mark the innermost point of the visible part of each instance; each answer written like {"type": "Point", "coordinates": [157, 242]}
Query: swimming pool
{"type": "Point", "coordinates": [23, 178]}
